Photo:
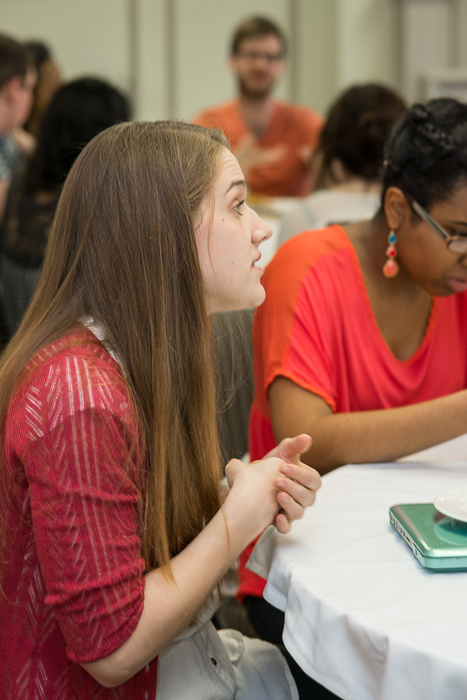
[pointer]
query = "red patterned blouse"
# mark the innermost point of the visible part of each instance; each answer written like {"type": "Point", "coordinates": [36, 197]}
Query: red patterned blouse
{"type": "Point", "coordinates": [73, 583]}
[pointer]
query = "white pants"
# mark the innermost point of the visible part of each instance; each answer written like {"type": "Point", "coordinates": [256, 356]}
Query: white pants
{"type": "Point", "coordinates": [207, 665]}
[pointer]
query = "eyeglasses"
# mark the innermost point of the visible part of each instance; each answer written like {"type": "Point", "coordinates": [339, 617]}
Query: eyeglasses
{"type": "Point", "coordinates": [260, 56]}
{"type": "Point", "coordinates": [456, 244]}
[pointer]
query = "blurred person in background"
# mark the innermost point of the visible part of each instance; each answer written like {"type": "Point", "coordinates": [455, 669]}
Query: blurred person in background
{"type": "Point", "coordinates": [17, 80]}
{"type": "Point", "coordinates": [77, 112]}
{"type": "Point", "coordinates": [271, 139]}
{"type": "Point", "coordinates": [49, 79]}
{"type": "Point", "coordinates": [348, 161]}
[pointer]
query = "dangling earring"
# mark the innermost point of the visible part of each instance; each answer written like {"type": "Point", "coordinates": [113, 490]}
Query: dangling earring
{"type": "Point", "coordinates": [391, 268]}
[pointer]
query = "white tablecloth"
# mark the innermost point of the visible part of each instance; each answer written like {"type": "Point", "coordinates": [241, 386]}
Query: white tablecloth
{"type": "Point", "coordinates": [361, 615]}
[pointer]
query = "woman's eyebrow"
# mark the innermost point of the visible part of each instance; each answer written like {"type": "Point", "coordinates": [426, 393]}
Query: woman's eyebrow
{"type": "Point", "coordinates": [236, 183]}
{"type": "Point", "coordinates": [459, 223]}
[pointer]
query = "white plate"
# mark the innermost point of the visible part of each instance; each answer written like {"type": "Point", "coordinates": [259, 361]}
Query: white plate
{"type": "Point", "coordinates": [453, 503]}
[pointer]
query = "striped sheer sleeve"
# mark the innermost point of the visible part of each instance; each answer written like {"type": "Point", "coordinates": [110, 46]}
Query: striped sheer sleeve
{"type": "Point", "coordinates": [76, 437]}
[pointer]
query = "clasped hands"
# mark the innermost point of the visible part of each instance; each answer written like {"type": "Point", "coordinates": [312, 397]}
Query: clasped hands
{"type": "Point", "coordinates": [280, 481]}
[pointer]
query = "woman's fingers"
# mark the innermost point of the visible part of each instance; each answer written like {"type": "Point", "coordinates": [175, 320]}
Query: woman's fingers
{"type": "Point", "coordinates": [290, 449]}
{"type": "Point", "coordinates": [303, 496]}
{"type": "Point", "coordinates": [297, 491]}
{"type": "Point", "coordinates": [306, 476]}
{"type": "Point", "coordinates": [292, 509]}
{"type": "Point", "coordinates": [295, 446]}
{"type": "Point", "coordinates": [287, 488]}
{"type": "Point", "coordinates": [282, 523]}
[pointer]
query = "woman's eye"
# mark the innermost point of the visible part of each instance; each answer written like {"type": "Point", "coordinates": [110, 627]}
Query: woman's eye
{"type": "Point", "coordinates": [237, 207]}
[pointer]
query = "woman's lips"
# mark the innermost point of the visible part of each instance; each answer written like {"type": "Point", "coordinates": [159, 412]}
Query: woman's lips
{"type": "Point", "coordinates": [458, 285]}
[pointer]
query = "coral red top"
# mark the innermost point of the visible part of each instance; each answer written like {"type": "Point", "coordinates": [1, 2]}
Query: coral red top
{"type": "Point", "coordinates": [292, 126]}
{"type": "Point", "coordinates": [74, 585]}
{"type": "Point", "coordinates": [317, 328]}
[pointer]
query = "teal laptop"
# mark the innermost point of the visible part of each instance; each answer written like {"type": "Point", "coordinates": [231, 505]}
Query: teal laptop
{"type": "Point", "coordinates": [438, 542]}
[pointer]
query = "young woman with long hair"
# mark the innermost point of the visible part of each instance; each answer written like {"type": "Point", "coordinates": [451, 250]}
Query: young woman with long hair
{"type": "Point", "coordinates": [113, 535]}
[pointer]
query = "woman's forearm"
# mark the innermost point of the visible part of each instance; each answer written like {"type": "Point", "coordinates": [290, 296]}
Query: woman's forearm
{"type": "Point", "coordinates": [365, 436]}
{"type": "Point", "coordinates": [384, 435]}
{"type": "Point", "coordinates": [258, 491]}
{"type": "Point", "coordinates": [170, 605]}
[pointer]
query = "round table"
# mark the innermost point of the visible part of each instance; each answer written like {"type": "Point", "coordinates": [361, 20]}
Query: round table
{"type": "Point", "coordinates": [362, 616]}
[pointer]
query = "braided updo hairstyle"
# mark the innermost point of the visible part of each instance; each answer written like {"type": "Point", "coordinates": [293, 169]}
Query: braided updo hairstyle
{"type": "Point", "coordinates": [357, 128]}
{"type": "Point", "coordinates": [426, 155]}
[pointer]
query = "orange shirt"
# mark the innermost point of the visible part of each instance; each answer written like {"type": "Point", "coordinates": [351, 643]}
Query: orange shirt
{"type": "Point", "coordinates": [317, 328]}
{"type": "Point", "coordinates": [292, 126]}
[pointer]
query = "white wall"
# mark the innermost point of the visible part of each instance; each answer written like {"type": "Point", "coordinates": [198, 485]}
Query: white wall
{"type": "Point", "coordinates": [87, 36]}
{"type": "Point", "coordinates": [342, 42]}
{"type": "Point", "coordinates": [171, 54]}
{"type": "Point", "coordinates": [151, 89]}
{"type": "Point", "coordinates": [433, 48]}
{"type": "Point", "coordinates": [367, 41]}
{"type": "Point", "coordinates": [317, 42]}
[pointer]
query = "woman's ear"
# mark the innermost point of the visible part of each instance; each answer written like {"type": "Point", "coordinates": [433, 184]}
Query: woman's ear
{"type": "Point", "coordinates": [396, 208]}
{"type": "Point", "coordinates": [338, 173]}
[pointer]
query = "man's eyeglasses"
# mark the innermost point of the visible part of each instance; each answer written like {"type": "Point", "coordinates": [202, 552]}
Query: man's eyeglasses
{"type": "Point", "coordinates": [456, 244]}
{"type": "Point", "coordinates": [260, 56]}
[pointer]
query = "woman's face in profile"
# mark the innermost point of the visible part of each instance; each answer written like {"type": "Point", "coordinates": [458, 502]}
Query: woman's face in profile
{"type": "Point", "coordinates": [228, 236]}
{"type": "Point", "coordinates": [423, 252]}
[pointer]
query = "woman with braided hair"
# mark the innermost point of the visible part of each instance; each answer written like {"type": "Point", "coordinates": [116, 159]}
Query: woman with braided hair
{"type": "Point", "coordinates": [362, 340]}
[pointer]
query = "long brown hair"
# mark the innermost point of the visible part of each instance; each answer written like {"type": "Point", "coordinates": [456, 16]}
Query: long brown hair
{"type": "Point", "coordinates": [123, 252]}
